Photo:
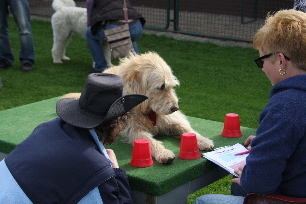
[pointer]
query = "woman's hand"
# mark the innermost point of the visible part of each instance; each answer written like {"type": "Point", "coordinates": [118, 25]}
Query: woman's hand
{"type": "Point", "coordinates": [239, 173]}
{"type": "Point", "coordinates": [248, 141]}
{"type": "Point", "coordinates": [113, 158]}
{"type": "Point", "coordinates": [239, 170]}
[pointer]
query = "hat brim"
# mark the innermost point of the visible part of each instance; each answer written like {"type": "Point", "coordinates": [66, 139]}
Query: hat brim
{"type": "Point", "coordinates": [68, 109]}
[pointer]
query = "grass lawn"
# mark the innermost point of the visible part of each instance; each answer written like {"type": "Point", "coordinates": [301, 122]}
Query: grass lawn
{"type": "Point", "coordinates": [215, 80]}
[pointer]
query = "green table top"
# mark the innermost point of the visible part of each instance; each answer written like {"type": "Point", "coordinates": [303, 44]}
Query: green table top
{"type": "Point", "coordinates": [17, 123]}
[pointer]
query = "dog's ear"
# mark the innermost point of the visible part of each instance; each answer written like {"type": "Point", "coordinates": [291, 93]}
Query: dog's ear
{"type": "Point", "coordinates": [133, 83]}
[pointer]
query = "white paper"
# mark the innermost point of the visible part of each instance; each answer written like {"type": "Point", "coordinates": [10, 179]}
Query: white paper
{"type": "Point", "coordinates": [225, 157]}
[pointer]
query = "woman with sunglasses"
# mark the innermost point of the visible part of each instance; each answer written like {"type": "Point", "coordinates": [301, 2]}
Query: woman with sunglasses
{"type": "Point", "coordinates": [276, 163]}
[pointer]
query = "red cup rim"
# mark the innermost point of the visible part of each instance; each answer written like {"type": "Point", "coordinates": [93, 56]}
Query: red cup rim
{"type": "Point", "coordinates": [231, 133]}
{"type": "Point", "coordinates": [141, 163]}
{"type": "Point", "coordinates": [189, 155]}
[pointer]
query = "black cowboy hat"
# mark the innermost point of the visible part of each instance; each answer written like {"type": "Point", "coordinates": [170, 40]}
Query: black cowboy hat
{"type": "Point", "coordinates": [101, 101]}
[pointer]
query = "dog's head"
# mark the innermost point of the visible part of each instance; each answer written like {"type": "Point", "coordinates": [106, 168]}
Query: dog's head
{"type": "Point", "coordinates": [150, 75]}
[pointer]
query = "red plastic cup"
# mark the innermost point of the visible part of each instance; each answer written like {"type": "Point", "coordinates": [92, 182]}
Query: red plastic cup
{"type": "Point", "coordinates": [141, 156]}
{"type": "Point", "coordinates": [189, 149]}
{"type": "Point", "coordinates": [231, 126]}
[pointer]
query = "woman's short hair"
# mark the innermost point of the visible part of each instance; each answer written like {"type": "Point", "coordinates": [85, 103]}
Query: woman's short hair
{"type": "Point", "coordinates": [284, 31]}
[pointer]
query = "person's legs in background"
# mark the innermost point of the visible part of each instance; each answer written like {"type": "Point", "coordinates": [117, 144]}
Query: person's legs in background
{"type": "Point", "coordinates": [6, 55]}
{"type": "Point", "coordinates": [136, 32]}
{"type": "Point", "coordinates": [94, 44]}
{"type": "Point", "coordinates": [21, 13]}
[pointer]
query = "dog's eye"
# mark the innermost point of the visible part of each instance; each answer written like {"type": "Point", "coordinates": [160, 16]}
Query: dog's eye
{"type": "Point", "coordinates": [162, 87]}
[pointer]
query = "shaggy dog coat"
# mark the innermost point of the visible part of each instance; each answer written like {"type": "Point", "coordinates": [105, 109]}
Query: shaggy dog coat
{"type": "Point", "coordinates": [150, 75]}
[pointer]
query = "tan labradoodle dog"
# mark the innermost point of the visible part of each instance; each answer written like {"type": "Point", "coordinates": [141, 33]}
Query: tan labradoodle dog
{"type": "Point", "coordinates": [150, 75]}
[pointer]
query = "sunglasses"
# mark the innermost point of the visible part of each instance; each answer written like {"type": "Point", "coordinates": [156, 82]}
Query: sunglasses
{"type": "Point", "coordinates": [259, 61]}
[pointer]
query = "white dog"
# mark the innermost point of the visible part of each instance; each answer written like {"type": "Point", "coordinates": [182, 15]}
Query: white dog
{"type": "Point", "coordinates": [150, 75]}
{"type": "Point", "coordinates": [66, 21]}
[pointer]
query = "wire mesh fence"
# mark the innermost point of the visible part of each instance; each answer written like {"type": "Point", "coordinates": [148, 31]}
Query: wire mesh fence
{"type": "Point", "coordinates": [229, 20]}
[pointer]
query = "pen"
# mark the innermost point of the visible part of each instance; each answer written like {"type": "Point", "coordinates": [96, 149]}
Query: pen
{"type": "Point", "coordinates": [241, 153]}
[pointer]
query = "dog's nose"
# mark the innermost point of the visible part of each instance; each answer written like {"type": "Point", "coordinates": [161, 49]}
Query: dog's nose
{"type": "Point", "coordinates": [175, 108]}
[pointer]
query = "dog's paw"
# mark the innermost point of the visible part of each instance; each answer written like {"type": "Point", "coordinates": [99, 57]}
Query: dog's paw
{"type": "Point", "coordinates": [205, 144]}
{"type": "Point", "coordinates": [165, 156]}
{"type": "Point", "coordinates": [57, 61]}
{"type": "Point", "coordinates": [65, 58]}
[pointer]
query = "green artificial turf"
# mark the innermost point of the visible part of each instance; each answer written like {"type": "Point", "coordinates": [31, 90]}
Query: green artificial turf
{"type": "Point", "coordinates": [158, 179]}
{"type": "Point", "coordinates": [215, 80]}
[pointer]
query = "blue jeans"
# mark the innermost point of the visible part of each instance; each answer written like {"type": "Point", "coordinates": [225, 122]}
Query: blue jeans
{"type": "Point", "coordinates": [21, 12]}
{"type": "Point", "coordinates": [95, 47]}
{"type": "Point", "coordinates": [219, 199]}
{"type": "Point", "coordinates": [237, 197]}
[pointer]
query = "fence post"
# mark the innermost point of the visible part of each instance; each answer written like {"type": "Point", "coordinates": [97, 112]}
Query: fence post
{"type": "Point", "coordinates": [176, 15]}
{"type": "Point", "coordinates": [254, 12]}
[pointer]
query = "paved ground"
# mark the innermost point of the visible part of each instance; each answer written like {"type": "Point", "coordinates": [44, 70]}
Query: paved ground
{"type": "Point", "coordinates": [200, 39]}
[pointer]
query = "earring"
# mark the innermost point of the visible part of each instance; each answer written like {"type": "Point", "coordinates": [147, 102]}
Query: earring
{"type": "Point", "coordinates": [282, 71]}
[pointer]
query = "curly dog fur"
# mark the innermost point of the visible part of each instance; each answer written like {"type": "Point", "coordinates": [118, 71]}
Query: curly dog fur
{"type": "Point", "coordinates": [150, 75]}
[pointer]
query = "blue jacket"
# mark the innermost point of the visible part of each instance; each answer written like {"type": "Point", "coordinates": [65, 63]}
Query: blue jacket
{"type": "Point", "coordinates": [60, 163]}
{"type": "Point", "coordinates": [277, 161]}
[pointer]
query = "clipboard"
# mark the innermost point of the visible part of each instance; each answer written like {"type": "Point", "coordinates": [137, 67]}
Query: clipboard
{"type": "Point", "coordinates": [225, 157]}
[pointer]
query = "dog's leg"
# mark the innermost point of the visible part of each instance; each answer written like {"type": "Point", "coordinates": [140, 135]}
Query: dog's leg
{"type": "Point", "coordinates": [159, 152]}
{"type": "Point", "coordinates": [107, 54]}
{"type": "Point", "coordinates": [64, 57]}
{"type": "Point", "coordinates": [177, 124]}
{"type": "Point", "coordinates": [59, 49]}
{"type": "Point", "coordinates": [60, 41]}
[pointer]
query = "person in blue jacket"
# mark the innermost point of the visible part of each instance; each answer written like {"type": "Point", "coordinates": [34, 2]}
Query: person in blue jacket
{"type": "Point", "coordinates": [64, 160]}
{"type": "Point", "coordinates": [276, 163]}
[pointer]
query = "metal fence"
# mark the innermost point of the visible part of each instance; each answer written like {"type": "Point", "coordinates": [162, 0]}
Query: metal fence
{"type": "Point", "coordinates": [223, 19]}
